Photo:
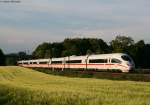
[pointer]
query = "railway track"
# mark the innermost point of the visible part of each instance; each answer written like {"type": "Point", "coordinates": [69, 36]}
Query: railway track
{"type": "Point", "coordinates": [114, 74]}
{"type": "Point", "coordinates": [98, 74]}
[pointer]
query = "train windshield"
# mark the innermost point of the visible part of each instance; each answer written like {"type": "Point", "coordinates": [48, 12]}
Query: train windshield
{"type": "Point", "coordinates": [126, 58]}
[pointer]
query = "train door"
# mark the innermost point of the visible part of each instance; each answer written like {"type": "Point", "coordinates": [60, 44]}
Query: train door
{"type": "Point", "coordinates": [64, 63]}
{"type": "Point", "coordinates": [86, 64]}
{"type": "Point", "coordinates": [108, 64]}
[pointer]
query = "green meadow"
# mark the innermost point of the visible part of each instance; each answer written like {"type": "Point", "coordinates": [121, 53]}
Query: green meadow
{"type": "Point", "coordinates": [22, 86]}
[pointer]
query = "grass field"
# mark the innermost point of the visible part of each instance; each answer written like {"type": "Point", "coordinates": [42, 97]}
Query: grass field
{"type": "Point", "coordinates": [22, 86]}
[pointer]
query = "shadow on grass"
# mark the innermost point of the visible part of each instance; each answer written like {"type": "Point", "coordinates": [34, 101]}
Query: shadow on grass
{"type": "Point", "coordinates": [133, 76]}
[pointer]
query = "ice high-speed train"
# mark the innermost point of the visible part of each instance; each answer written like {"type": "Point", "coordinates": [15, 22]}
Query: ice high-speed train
{"type": "Point", "coordinates": [116, 61]}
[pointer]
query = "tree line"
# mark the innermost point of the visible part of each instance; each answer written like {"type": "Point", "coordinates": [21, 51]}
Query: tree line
{"type": "Point", "coordinates": [139, 51]}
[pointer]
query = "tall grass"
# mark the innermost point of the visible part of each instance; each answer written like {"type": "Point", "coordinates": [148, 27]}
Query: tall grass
{"type": "Point", "coordinates": [21, 86]}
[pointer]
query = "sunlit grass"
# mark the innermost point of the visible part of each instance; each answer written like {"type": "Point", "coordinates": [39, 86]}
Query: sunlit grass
{"type": "Point", "coordinates": [22, 86]}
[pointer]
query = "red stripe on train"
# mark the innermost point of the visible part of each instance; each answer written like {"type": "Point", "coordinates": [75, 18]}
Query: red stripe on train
{"type": "Point", "coordinates": [47, 65]}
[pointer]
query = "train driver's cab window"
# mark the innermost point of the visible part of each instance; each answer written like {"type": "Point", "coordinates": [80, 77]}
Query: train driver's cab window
{"type": "Point", "coordinates": [115, 60]}
{"type": "Point", "coordinates": [126, 58]}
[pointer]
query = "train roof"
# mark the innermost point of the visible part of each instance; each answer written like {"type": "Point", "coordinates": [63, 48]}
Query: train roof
{"type": "Point", "coordinates": [77, 57]}
{"type": "Point", "coordinates": [112, 54]}
{"type": "Point", "coordinates": [106, 55]}
{"type": "Point", "coordinates": [58, 59]}
{"type": "Point", "coordinates": [35, 60]}
{"type": "Point", "coordinates": [74, 57]}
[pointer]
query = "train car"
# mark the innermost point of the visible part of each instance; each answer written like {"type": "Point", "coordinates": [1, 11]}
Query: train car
{"type": "Point", "coordinates": [44, 63]}
{"type": "Point", "coordinates": [116, 61]}
{"type": "Point", "coordinates": [76, 62]}
{"type": "Point", "coordinates": [57, 63]}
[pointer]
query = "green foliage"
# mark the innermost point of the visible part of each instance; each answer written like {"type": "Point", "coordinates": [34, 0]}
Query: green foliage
{"type": "Point", "coordinates": [21, 86]}
{"type": "Point", "coordinates": [2, 58]}
{"type": "Point", "coordinates": [56, 49]}
{"type": "Point", "coordinates": [140, 52]}
{"type": "Point", "coordinates": [22, 55]}
{"type": "Point", "coordinates": [11, 59]}
{"type": "Point", "coordinates": [42, 51]}
{"type": "Point", "coordinates": [71, 47]}
{"type": "Point", "coordinates": [121, 43]}
{"type": "Point", "coordinates": [48, 50]}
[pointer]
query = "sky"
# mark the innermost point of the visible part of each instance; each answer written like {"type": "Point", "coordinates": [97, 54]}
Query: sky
{"type": "Point", "coordinates": [25, 25]}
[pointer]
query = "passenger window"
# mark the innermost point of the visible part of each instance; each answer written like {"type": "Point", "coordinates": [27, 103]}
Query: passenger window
{"type": "Point", "coordinates": [56, 62]}
{"type": "Point", "coordinates": [26, 63]}
{"type": "Point", "coordinates": [43, 62]}
{"type": "Point", "coordinates": [74, 61]}
{"type": "Point", "coordinates": [98, 61]}
{"type": "Point", "coordinates": [115, 60]}
{"type": "Point", "coordinates": [34, 62]}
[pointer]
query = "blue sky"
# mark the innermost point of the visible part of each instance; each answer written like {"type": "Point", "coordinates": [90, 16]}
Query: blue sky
{"type": "Point", "coordinates": [23, 26]}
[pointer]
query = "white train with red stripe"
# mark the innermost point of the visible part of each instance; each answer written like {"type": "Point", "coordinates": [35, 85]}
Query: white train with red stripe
{"type": "Point", "coordinates": [116, 61]}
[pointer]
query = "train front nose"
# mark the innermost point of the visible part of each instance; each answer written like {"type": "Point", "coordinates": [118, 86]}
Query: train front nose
{"type": "Point", "coordinates": [131, 66]}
